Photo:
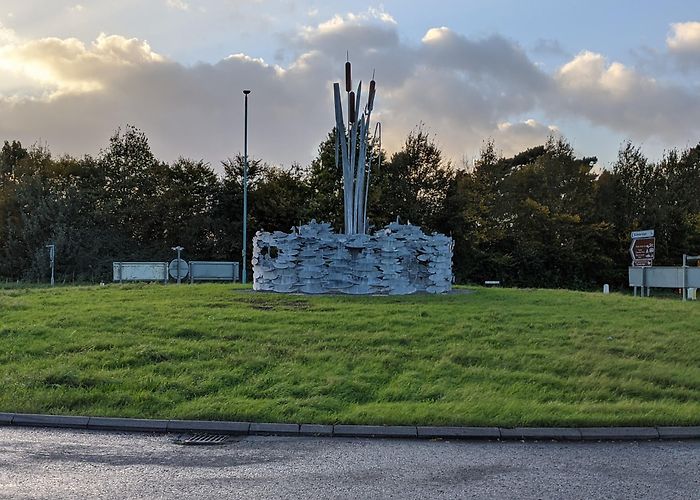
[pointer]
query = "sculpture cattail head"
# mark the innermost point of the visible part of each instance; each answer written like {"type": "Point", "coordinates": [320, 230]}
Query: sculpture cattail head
{"type": "Point", "coordinates": [348, 77]}
{"type": "Point", "coordinates": [370, 98]}
{"type": "Point", "coordinates": [351, 107]}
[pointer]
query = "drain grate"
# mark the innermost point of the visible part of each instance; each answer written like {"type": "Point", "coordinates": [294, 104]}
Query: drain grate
{"type": "Point", "coordinates": [201, 439]}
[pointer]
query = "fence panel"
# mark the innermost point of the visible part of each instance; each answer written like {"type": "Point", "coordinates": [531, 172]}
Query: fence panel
{"type": "Point", "coordinates": [140, 271]}
{"type": "Point", "coordinates": [213, 271]}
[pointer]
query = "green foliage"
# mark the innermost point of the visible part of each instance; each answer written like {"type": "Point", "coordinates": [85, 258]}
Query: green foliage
{"type": "Point", "coordinates": [413, 185]}
{"type": "Point", "coordinates": [530, 220]}
{"type": "Point", "coordinates": [540, 218]}
{"type": "Point", "coordinates": [10, 156]}
{"type": "Point", "coordinates": [494, 357]}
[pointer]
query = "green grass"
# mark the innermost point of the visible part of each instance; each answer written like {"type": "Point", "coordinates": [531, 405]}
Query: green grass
{"type": "Point", "coordinates": [494, 357]}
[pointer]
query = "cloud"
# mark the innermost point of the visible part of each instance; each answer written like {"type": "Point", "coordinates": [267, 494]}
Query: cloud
{"type": "Point", "coordinates": [193, 111]}
{"type": "Point", "coordinates": [684, 37]}
{"type": "Point", "coordinates": [7, 35]}
{"type": "Point", "coordinates": [515, 137]}
{"type": "Point", "coordinates": [494, 59]}
{"type": "Point", "coordinates": [613, 95]}
{"type": "Point", "coordinates": [684, 43]}
{"type": "Point", "coordinates": [73, 94]}
{"type": "Point", "coordinates": [550, 47]}
{"type": "Point", "coordinates": [178, 4]}
{"type": "Point", "coordinates": [67, 65]}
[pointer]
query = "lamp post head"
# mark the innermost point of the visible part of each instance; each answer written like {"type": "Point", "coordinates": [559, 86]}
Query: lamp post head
{"type": "Point", "coordinates": [246, 92]}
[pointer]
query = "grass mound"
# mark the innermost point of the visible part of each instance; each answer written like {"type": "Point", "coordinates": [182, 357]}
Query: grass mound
{"type": "Point", "coordinates": [494, 357]}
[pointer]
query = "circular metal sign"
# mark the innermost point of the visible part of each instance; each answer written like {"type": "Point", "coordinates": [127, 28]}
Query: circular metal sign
{"type": "Point", "coordinates": [178, 266]}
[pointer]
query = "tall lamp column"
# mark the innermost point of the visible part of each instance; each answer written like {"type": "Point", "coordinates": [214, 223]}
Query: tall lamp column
{"type": "Point", "coordinates": [245, 190]}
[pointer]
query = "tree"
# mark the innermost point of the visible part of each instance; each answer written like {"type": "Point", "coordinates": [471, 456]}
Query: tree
{"type": "Point", "coordinates": [325, 182]}
{"type": "Point", "coordinates": [280, 199]}
{"type": "Point", "coordinates": [413, 184]}
{"type": "Point", "coordinates": [10, 156]}
{"type": "Point", "coordinates": [187, 203]}
{"type": "Point", "coordinates": [133, 183]}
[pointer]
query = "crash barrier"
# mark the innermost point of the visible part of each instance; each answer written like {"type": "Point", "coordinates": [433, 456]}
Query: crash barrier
{"type": "Point", "coordinates": [159, 271]}
{"type": "Point", "coordinates": [682, 278]}
{"type": "Point", "coordinates": [140, 271]}
{"type": "Point", "coordinates": [213, 271]}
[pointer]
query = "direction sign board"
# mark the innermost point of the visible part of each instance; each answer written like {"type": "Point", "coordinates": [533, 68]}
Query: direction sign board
{"type": "Point", "coordinates": [643, 251]}
{"type": "Point", "coordinates": [178, 269]}
{"type": "Point", "coordinates": [647, 233]}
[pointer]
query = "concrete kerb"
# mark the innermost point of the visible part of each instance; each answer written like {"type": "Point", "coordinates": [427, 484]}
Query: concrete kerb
{"type": "Point", "coordinates": [65, 421]}
{"type": "Point", "coordinates": [433, 432]}
{"type": "Point", "coordinates": [671, 432]}
{"type": "Point", "coordinates": [353, 431]}
{"type": "Point", "coordinates": [127, 424]}
{"type": "Point", "coordinates": [6, 418]}
{"type": "Point", "coordinates": [542, 433]}
{"type": "Point", "coordinates": [619, 433]}
{"type": "Point", "coordinates": [209, 426]}
{"type": "Point", "coordinates": [381, 431]}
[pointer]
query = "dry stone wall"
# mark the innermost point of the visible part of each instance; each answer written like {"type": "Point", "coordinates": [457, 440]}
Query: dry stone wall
{"type": "Point", "coordinates": [399, 259]}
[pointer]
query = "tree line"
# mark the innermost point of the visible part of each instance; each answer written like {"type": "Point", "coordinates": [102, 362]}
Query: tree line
{"type": "Point", "coordinates": [541, 218]}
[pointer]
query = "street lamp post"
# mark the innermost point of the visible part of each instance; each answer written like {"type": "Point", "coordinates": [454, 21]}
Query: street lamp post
{"type": "Point", "coordinates": [245, 189]}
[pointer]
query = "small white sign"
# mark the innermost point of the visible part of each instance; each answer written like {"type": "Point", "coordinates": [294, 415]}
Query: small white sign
{"type": "Point", "coordinates": [648, 233]}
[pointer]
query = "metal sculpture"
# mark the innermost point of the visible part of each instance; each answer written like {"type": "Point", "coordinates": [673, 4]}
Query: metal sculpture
{"type": "Point", "coordinates": [399, 259]}
{"type": "Point", "coordinates": [352, 145]}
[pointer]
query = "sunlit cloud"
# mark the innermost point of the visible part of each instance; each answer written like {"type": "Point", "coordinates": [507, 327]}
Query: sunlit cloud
{"type": "Point", "coordinates": [684, 37]}
{"type": "Point", "coordinates": [69, 66]}
{"type": "Point", "coordinates": [74, 93]}
{"type": "Point", "coordinates": [178, 4]}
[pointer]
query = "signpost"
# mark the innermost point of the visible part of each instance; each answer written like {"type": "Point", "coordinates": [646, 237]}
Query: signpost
{"type": "Point", "coordinates": [648, 233]}
{"type": "Point", "coordinates": [643, 248]}
{"type": "Point", "coordinates": [178, 266]}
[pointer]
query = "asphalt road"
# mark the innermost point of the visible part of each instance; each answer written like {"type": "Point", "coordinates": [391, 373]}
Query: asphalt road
{"type": "Point", "coordinates": [43, 463]}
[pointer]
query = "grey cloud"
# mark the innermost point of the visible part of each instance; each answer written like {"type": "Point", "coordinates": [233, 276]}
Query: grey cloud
{"type": "Point", "coordinates": [493, 58]}
{"type": "Point", "coordinates": [464, 89]}
{"type": "Point", "coordinates": [548, 46]}
{"type": "Point", "coordinates": [618, 97]}
{"type": "Point", "coordinates": [195, 111]}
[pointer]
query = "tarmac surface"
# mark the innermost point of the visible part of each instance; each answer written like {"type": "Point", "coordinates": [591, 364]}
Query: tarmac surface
{"type": "Point", "coordinates": [61, 463]}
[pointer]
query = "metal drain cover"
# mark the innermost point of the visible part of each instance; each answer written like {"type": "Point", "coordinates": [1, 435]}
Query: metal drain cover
{"type": "Point", "coordinates": [201, 439]}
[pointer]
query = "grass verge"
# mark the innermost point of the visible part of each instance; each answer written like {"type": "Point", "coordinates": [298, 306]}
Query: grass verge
{"type": "Point", "coordinates": [495, 357]}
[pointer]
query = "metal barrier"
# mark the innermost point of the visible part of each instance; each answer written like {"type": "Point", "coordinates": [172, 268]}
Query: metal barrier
{"type": "Point", "coordinates": [213, 271]}
{"type": "Point", "coordinates": [140, 271]}
{"type": "Point", "coordinates": [664, 277]}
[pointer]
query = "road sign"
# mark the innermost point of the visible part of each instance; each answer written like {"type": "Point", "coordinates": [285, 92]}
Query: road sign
{"type": "Point", "coordinates": [642, 251]}
{"type": "Point", "coordinates": [647, 233]}
{"type": "Point", "coordinates": [179, 269]}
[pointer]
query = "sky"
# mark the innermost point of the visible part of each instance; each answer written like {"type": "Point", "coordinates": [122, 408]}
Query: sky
{"type": "Point", "coordinates": [597, 72]}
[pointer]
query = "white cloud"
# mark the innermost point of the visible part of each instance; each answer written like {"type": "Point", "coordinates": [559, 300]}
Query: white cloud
{"type": "Point", "coordinates": [620, 98]}
{"type": "Point", "coordinates": [684, 37]}
{"type": "Point", "coordinates": [73, 94]}
{"type": "Point", "coordinates": [69, 66]}
{"type": "Point", "coordinates": [178, 4]}
{"type": "Point", "coordinates": [589, 72]}
{"type": "Point", "coordinates": [684, 45]}
{"type": "Point", "coordinates": [7, 35]}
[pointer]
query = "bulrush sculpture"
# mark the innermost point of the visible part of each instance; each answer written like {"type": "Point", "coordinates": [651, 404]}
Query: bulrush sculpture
{"type": "Point", "coordinates": [396, 260]}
